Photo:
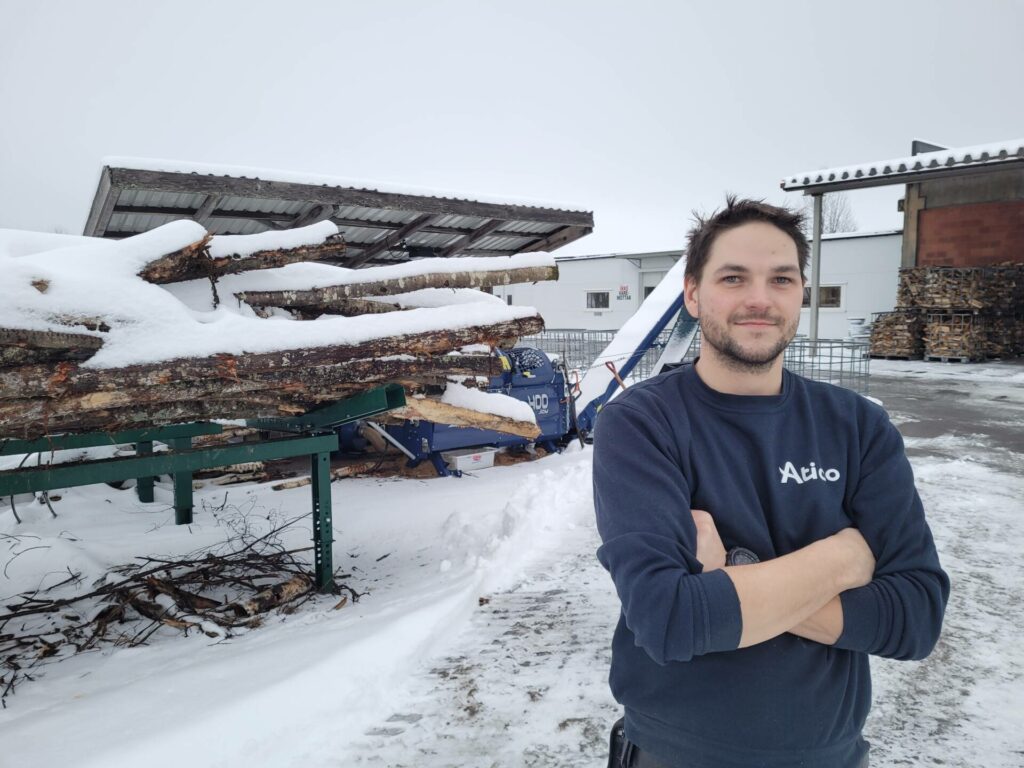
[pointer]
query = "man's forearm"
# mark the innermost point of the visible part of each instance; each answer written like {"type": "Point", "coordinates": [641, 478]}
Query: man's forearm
{"type": "Point", "coordinates": [825, 626]}
{"type": "Point", "coordinates": [781, 594]}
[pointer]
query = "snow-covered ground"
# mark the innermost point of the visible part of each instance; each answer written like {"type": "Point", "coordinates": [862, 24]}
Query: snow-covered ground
{"type": "Point", "coordinates": [482, 639]}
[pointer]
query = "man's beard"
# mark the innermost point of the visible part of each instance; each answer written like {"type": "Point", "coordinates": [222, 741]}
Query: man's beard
{"type": "Point", "coordinates": [739, 359]}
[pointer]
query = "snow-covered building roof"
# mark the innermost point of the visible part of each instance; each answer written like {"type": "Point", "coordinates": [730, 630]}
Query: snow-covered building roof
{"type": "Point", "coordinates": [382, 224]}
{"type": "Point", "coordinates": [938, 164]}
{"type": "Point", "coordinates": [630, 255]}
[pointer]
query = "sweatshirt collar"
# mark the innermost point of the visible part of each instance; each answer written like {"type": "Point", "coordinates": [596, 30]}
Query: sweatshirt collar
{"type": "Point", "coordinates": [740, 403]}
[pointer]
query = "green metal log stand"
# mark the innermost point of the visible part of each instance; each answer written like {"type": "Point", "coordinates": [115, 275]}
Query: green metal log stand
{"type": "Point", "coordinates": [314, 436]}
{"type": "Point", "coordinates": [323, 538]}
{"type": "Point", "coordinates": [144, 485]}
{"type": "Point", "coordinates": [183, 501]}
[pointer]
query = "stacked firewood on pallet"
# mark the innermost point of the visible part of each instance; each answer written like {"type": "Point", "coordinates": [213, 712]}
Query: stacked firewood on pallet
{"type": "Point", "coordinates": [954, 314]}
{"type": "Point", "coordinates": [174, 326]}
{"type": "Point", "coordinates": [897, 334]}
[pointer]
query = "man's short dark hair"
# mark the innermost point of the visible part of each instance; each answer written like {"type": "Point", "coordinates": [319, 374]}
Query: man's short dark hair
{"type": "Point", "coordinates": [735, 213]}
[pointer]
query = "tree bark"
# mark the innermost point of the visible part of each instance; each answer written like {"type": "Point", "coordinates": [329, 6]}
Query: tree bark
{"type": "Point", "coordinates": [25, 347]}
{"type": "Point", "coordinates": [273, 596]}
{"type": "Point", "coordinates": [298, 390]}
{"type": "Point", "coordinates": [194, 261]}
{"type": "Point", "coordinates": [351, 308]}
{"type": "Point", "coordinates": [142, 384]}
{"type": "Point", "coordinates": [332, 298]}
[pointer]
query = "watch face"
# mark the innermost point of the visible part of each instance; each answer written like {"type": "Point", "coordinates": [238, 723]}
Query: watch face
{"type": "Point", "coordinates": [741, 556]}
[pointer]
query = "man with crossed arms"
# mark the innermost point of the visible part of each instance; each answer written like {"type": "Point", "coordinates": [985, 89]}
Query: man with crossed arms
{"type": "Point", "coordinates": [762, 530]}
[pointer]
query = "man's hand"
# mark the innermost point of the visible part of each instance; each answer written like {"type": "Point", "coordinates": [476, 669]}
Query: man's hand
{"type": "Point", "coordinates": [710, 550]}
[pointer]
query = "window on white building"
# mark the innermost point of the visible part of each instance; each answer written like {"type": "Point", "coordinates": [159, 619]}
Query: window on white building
{"type": "Point", "coordinates": [829, 296]}
{"type": "Point", "coordinates": [508, 299]}
{"type": "Point", "coordinates": [597, 299]}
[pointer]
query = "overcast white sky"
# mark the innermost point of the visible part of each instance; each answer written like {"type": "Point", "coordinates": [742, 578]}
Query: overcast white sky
{"type": "Point", "coordinates": [638, 111]}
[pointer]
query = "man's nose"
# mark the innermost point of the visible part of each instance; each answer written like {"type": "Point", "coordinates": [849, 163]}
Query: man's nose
{"type": "Point", "coordinates": [757, 296]}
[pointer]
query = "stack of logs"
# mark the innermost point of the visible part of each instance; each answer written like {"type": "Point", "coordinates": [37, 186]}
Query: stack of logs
{"type": "Point", "coordinates": [45, 390]}
{"type": "Point", "coordinates": [954, 314]}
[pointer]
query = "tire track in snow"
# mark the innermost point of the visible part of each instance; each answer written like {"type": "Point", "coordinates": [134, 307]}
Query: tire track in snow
{"type": "Point", "coordinates": [524, 684]}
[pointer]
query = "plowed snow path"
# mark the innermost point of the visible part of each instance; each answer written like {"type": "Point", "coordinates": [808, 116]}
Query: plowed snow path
{"type": "Point", "coordinates": [524, 684]}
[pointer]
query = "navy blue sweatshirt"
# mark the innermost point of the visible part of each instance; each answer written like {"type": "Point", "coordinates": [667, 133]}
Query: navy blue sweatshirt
{"type": "Point", "coordinates": [776, 473]}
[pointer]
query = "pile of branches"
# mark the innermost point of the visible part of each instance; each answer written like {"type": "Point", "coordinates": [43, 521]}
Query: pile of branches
{"type": "Point", "coordinates": [44, 388]}
{"type": "Point", "coordinates": [218, 592]}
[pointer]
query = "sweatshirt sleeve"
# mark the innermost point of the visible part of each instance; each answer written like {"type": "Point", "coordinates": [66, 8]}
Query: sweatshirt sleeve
{"type": "Point", "coordinates": [642, 501]}
{"type": "Point", "coordinates": [899, 614]}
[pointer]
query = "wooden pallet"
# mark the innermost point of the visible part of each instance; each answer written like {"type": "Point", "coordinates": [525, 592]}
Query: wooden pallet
{"type": "Point", "coordinates": [949, 359]}
{"type": "Point", "coordinates": [895, 357]}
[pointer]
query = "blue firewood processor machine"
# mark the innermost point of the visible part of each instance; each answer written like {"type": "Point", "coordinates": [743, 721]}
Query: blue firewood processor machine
{"type": "Point", "coordinates": [528, 375]}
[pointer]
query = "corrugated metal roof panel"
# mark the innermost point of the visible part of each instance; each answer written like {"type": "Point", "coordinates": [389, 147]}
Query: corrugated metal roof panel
{"type": "Point", "coordinates": [375, 214]}
{"type": "Point", "coordinates": [133, 223]}
{"type": "Point", "coordinates": [148, 197]}
{"type": "Point", "coordinates": [284, 207]}
{"type": "Point", "coordinates": [920, 165]}
{"type": "Point", "coordinates": [537, 228]}
{"type": "Point", "coordinates": [460, 222]}
{"type": "Point", "coordinates": [235, 227]}
{"type": "Point", "coordinates": [503, 243]}
{"type": "Point", "coordinates": [362, 234]}
{"type": "Point", "coordinates": [433, 240]}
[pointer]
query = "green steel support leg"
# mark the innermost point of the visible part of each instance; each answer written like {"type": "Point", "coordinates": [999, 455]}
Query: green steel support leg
{"type": "Point", "coordinates": [144, 485]}
{"type": "Point", "coordinates": [182, 485]}
{"type": "Point", "coordinates": [323, 531]}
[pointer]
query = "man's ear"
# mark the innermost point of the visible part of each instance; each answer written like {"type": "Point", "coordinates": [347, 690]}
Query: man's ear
{"type": "Point", "coordinates": [690, 285]}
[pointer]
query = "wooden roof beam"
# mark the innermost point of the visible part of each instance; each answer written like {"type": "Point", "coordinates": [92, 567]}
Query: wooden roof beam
{"type": "Point", "coordinates": [319, 212]}
{"type": "Point", "coordinates": [557, 239]}
{"type": "Point", "coordinates": [392, 239]}
{"type": "Point", "coordinates": [477, 234]}
{"type": "Point", "coordinates": [103, 206]}
{"type": "Point", "coordinates": [209, 205]}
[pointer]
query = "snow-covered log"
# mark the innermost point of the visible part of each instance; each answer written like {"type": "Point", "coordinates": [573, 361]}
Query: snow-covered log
{"type": "Point", "coordinates": [195, 261]}
{"type": "Point", "coordinates": [330, 298]}
{"type": "Point", "coordinates": [36, 400]}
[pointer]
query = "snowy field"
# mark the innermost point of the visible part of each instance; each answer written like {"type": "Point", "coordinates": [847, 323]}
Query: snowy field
{"type": "Point", "coordinates": [482, 635]}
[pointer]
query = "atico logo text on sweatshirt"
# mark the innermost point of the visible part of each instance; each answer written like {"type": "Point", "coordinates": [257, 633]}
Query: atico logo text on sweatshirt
{"type": "Point", "coordinates": [804, 474]}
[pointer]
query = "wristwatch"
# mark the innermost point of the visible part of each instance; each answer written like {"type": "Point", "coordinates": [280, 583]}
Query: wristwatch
{"type": "Point", "coordinates": [740, 556]}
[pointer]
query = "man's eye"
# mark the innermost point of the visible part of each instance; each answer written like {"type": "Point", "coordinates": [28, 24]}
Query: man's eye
{"type": "Point", "coordinates": [731, 279]}
{"type": "Point", "coordinates": [784, 280]}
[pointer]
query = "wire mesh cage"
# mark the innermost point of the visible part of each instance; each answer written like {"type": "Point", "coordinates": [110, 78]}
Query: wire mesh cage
{"type": "Point", "coordinates": [836, 361]}
{"type": "Point", "coordinates": [955, 336]}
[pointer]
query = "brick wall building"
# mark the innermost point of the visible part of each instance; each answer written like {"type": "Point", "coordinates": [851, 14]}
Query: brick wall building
{"type": "Point", "coordinates": [972, 221]}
